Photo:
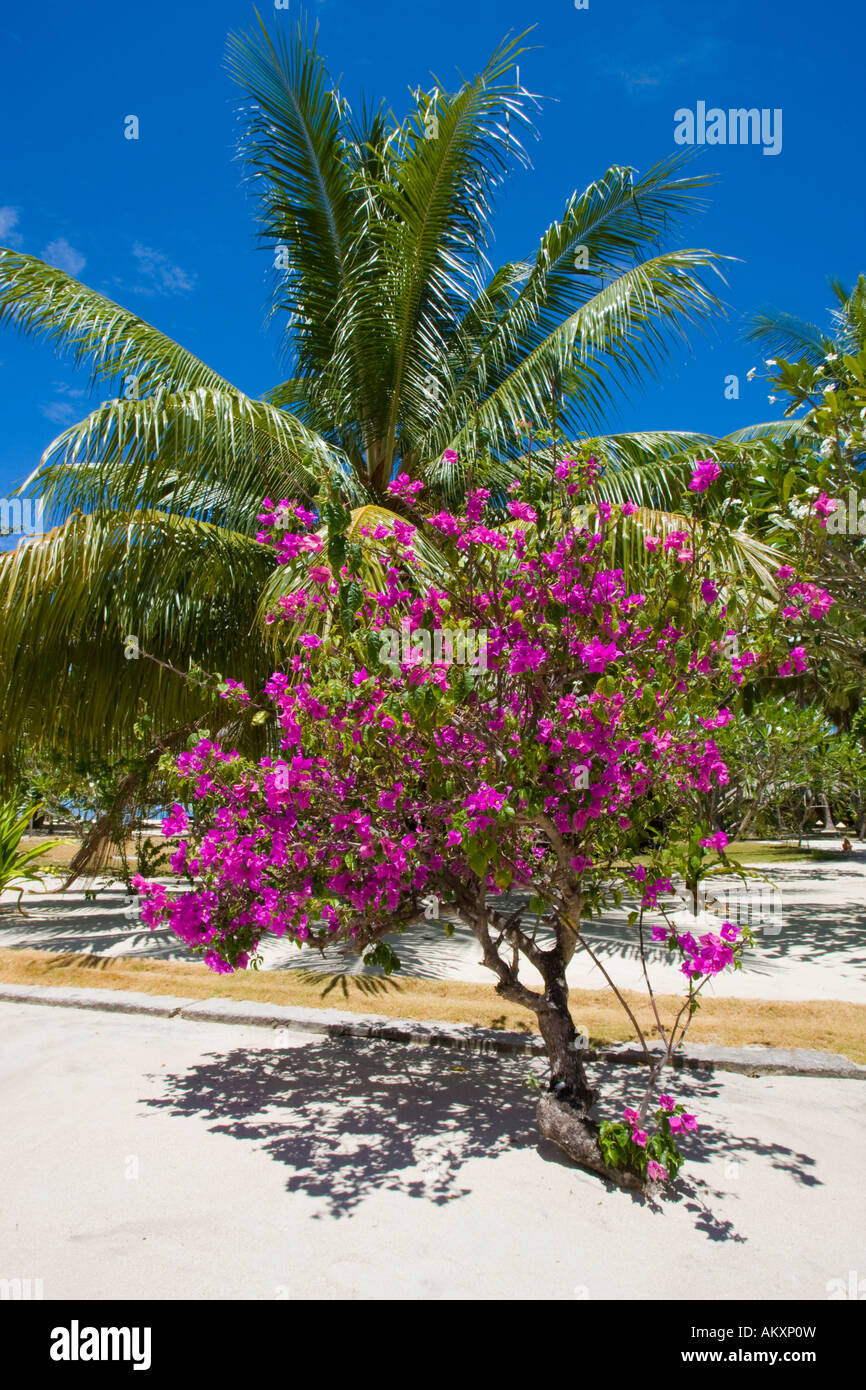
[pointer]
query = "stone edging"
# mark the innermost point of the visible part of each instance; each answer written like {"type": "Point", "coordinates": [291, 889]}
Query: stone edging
{"type": "Point", "coordinates": [753, 1061]}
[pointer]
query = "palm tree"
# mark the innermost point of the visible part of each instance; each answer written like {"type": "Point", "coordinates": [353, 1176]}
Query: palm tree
{"type": "Point", "coordinates": [794, 339]}
{"type": "Point", "coordinates": [404, 349]}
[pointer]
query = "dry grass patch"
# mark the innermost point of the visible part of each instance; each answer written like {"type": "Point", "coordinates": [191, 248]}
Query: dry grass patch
{"type": "Point", "coordinates": [61, 855]}
{"type": "Point", "coordinates": [820, 1024]}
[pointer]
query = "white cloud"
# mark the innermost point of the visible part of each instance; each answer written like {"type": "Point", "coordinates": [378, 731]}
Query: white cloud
{"type": "Point", "coordinates": [64, 389]}
{"type": "Point", "coordinates": [60, 412]}
{"type": "Point", "coordinates": [648, 37]}
{"type": "Point", "coordinates": [8, 221]}
{"type": "Point", "coordinates": [64, 256]}
{"type": "Point", "coordinates": [161, 276]}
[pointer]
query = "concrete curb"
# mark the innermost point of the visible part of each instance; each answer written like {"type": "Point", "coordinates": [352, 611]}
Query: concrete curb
{"type": "Point", "coordinates": [335, 1023]}
{"type": "Point", "coordinates": [123, 1001]}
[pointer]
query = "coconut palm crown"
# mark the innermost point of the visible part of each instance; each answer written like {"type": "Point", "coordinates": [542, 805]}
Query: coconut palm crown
{"type": "Point", "coordinates": [405, 352]}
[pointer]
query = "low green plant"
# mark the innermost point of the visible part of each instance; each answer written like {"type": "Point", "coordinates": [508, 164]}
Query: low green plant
{"type": "Point", "coordinates": [654, 1156]}
{"type": "Point", "coordinates": [14, 862]}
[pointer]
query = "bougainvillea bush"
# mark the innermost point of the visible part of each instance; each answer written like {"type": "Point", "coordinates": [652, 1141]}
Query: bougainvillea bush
{"type": "Point", "coordinates": [525, 791]}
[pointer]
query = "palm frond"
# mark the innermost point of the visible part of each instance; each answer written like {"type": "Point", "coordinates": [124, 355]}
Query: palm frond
{"type": "Point", "coordinates": [785, 335]}
{"type": "Point", "coordinates": [186, 590]}
{"type": "Point", "coordinates": [42, 301]}
{"type": "Point", "coordinates": [206, 453]}
{"type": "Point", "coordinates": [610, 342]}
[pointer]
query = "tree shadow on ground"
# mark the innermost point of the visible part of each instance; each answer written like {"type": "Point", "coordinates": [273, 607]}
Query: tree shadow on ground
{"type": "Point", "coordinates": [706, 1149]}
{"type": "Point", "coordinates": [824, 931]}
{"type": "Point", "coordinates": [70, 922]}
{"type": "Point", "coordinates": [346, 985]}
{"type": "Point", "coordinates": [351, 1117]}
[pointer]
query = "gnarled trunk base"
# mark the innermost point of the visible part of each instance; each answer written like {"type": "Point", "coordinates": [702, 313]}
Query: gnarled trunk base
{"type": "Point", "coordinates": [577, 1136]}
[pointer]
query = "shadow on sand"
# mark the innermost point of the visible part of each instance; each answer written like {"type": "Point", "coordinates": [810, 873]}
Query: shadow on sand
{"type": "Point", "coordinates": [349, 1117]}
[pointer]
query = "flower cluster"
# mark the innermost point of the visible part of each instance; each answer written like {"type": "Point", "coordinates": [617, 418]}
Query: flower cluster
{"type": "Point", "coordinates": [705, 474]}
{"type": "Point", "coordinates": [402, 486]}
{"type": "Point", "coordinates": [413, 778]}
{"type": "Point", "coordinates": [656, 1156]}
{"type": "Point", "coordinates": [708, 954]}
{"type": "Point", "coordinates": [824, 506]}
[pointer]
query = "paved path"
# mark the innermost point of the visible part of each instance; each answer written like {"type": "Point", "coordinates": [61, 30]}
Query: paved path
{"type": "Point", "coordinates": [160, 1158]}
{"type": "Point", "coordinates": [819, 953]}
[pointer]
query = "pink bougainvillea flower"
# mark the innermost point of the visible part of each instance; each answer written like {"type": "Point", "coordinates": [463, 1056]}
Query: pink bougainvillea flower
{"type": "Point", "coordinates": [656, 1172]}
{"type": "Point", "coordinates": [639, 1137]}
{"type": "Point", "coordinates": [796, 661]}
{"type": "Point", "coordinates": [709, 592]}
{"type": "Point", "coordinates": [596, 655]}
{"type": "Point", "coordinates": [666, 1102]}
{"type": "Point", "coordinates": [521, 511]}
{"type": "Point", "coordinates": [824, 506]}
{"type": "Point", "coordinates": [706, 472]}
{"type": "Point", "coordinates": [717, 841]}
{"type": "Point", "coordinates": [402, 486]}
{"type": "Point", "coordinates": [176, 821]}
{"type": "Point", "coordinates": [215, 963]}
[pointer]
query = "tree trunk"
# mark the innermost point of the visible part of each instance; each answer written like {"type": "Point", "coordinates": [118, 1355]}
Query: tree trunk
{"type": "Point", "coordinates": [567, 1076]}
{"type": "Point", "coordinates": [828, 815]}
{"type": "Point", "coordinates": [563, 1114]}
{"type": "Point", "coordinates": [577, 1136]}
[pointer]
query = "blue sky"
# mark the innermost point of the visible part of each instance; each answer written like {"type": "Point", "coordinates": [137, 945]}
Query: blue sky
{"type": "Point", "coordinates": [163, 225]}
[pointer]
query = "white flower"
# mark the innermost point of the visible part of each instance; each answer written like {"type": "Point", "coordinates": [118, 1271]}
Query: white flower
{"type": "Point", "coordinates": [771, 399]}
{"type": "Point", "coordinates": [750, 373]}
{"type": "Point", "coordinates": [827, 447]}
{"type": "Point", "coordinates": [770, 362]}
{"type": "Point", "coordinates": [832, 357]}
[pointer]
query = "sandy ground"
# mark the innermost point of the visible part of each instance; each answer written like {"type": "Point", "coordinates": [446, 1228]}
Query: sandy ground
{"type": "Point", "coordinates": [160, 1158]}
{"type": "Point", "coordinates": [817, 951]}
